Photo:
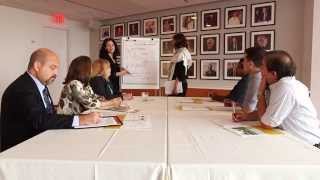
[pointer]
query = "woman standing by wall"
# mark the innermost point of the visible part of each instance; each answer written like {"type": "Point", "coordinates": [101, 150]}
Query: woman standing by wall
{"type": "Point", "coordinates": [180, 63]}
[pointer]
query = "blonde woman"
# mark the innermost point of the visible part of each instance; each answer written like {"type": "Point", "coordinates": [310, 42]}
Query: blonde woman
{"type": "Point", "coordinates": [100, 83]}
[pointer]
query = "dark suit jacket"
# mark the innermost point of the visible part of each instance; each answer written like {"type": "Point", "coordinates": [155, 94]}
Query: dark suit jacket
{"type": "Point", "coordinates": [23, 114]}
{"type": "Point", "coordinates": [102, 87]}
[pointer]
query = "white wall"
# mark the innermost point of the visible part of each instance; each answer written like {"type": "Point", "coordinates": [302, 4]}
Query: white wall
{"type": "Point", "coordinates": [315, 55]}
{"type": "Point", "coordinates": [289, 33]}
{"type": "Point", "coordinates": [21, 33]}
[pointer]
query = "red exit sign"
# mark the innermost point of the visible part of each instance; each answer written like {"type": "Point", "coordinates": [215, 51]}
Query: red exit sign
{"type": "Point", "coordinates": [58, 18]}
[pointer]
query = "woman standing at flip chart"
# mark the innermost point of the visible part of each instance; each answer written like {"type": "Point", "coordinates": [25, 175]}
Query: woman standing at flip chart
{"type": "Point", "coordinates": [109, 51]}
{"type": "Point", "coordinates": [180, 63]}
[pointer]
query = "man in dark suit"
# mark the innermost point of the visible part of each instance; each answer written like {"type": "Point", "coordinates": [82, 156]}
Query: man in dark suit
{"type": "Point", "coordinates": [26, 107]}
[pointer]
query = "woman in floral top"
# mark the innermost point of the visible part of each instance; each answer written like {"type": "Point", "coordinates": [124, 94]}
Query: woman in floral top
{"type": "Point", "coordinates": [77, 95]}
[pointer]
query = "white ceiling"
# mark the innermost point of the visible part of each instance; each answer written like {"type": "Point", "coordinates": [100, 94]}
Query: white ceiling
{"type": "Point", "coordinates": [95, 10]}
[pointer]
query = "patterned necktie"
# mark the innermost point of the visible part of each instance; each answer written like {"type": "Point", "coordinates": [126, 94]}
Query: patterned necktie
{"type": "Point", "coordinates": [47, 100]}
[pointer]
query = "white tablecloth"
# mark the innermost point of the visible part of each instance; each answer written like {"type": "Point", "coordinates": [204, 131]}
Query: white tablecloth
{"type": "Point", "coordinates": [199, 148]}
{"type": "Point", "coordinates": [179, 145]}
{"type": "Point", "coordinates": [94, 154]}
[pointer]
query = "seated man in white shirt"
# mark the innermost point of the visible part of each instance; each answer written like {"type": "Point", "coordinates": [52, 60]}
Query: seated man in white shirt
{"type": "Point", "coordinates": [290, 106]}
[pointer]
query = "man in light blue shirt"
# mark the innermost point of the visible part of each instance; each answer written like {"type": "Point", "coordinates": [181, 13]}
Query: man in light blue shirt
{"type": "Point", "coordinates": [251, 64]}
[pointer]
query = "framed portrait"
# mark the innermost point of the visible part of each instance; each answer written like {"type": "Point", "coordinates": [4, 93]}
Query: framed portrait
{"type": "Point", "coordinates": [192, 45]}
{"type": "Point", "coordinates": [263, 14]}
{"type": "Point", "coordinates": [234, 43]}
{"type": "Point", "coordinates": [166, 47]}
{"type": "Point", "coordinates": [168, 25]}
{"type": "Point", "coordinates": [104, 32]}
{"type": "Point", "coordinates": [235, 17]}
{"type": "Point", "coordinates": [188, 22]}
{"type": "Point", "coordinates": [210, 69]}
{"type": "Point", "coordinates": [134, 28]}
{"type": "Point", "coordinates": [230, 69]}
{"type": "Point", "coordinates": [210, 19]}
{"type": "Point", "coordinates": [192, 71]}
{"type": "Point", "coordinates": [209, 44]}
{"type": "Point", "coordinates": [164, 69]}
{"type": "Point", "coordinates": [118, 30]}
{"type": "Point", "coordinates": [150, 27]}
{"type": "Point", "coordinates": [264, 39]}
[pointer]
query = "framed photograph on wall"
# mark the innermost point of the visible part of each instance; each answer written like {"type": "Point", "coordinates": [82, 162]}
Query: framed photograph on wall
{"type": "Point", "coordinates": [230, 69]}
{"type": "Point", "coordinates": [210, 69]}
{"type": "Point", "coordinates": [134, 28]}
{"type": "Point", "coordinates": [192, 45]}
{"type": "Point", "coordinates": [209, 44]}
{"type": "Point", "coordinates": [188, 22]}
{"type": "Point", "coordinates": [104, 32]}
{"type": "Point", "coordinates": [264, 39]}
{"type": "Point", "coordinates": [168, 25]}
{"type": "Point", "coordinates": [210, 19]}
{"type": "Point", "coordinates": [192, 71]}
{"type": "Point", "coordinates": [263, 14]}
{"type": "Point", "coordinates": [118, 30]}
{"type": "Point", "coordinates": [150, 27]}
{"type": "Point", "coordinates": [164, 69]}
{"type": "Point", "coordinates": [166, 47]}
{"type": "Point", "coordinates": [234, 43]}
{"type": "Point", "coordinates": [235, 17]}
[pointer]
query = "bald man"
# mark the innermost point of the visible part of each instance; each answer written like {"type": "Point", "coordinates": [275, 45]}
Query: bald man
{"type": "Point", "coordinates": [26, 107]}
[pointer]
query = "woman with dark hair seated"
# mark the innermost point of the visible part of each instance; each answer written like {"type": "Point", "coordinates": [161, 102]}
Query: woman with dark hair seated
{"type": "Point", "coordinates": [180, 63]}
{"type": "Point", "coordinates": [100, 82]}
{"type": "Point", "coordinates": [77, 95]}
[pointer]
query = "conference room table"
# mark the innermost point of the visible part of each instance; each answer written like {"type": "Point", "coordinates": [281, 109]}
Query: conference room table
{"type": "Point", "coordinates": [172, 143]}
{"type": "Point", "coordinates": [94, 153]}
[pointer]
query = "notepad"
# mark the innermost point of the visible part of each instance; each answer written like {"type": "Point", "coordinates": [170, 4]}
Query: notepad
{"type": "Point", "coordinates": [104, 122]}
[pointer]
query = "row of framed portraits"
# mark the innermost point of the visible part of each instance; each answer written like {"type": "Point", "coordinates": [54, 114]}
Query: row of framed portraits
{"type": "Point", "coordinates": [235, 17]}
{"type": "Point", "coordinates": [234, 43]}
{"type": "Point", "coordinates": [209, 69]}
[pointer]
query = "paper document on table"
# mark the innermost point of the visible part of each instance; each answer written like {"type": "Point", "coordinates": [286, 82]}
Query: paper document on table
{"type": "Point", "coordinates": [193, 101]}
{"type": "Point", "coordinates": [228, 122]}
{"type": "Point", "coordinates": [223, 108]}
{"type": "Point", "coordinates": [104, 121]}
{"type": "Point", "coordinates": [195, 108]}
{"type": "Point", "coordinates": [272, 131]}
{"type": "Point", "coordinates": [244, 131]}
{"type": "Point", "coordinates": [136, 121]}
{"type": "Point", "coordinates": [103, 112]}
{"type": "Point", "coordinates": [252, 130]}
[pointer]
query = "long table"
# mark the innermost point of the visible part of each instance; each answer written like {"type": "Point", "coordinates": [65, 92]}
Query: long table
{"type": "Point", "coordinates": [94, 154]}
{"type": "Point", "coordinates": [200, 148]}
{"type": "Point", "coordinates": [179, 145]}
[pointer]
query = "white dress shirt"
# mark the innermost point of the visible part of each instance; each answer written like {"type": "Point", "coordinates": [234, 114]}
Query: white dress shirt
{"type": "Point", "coordinates": [291, 109]}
